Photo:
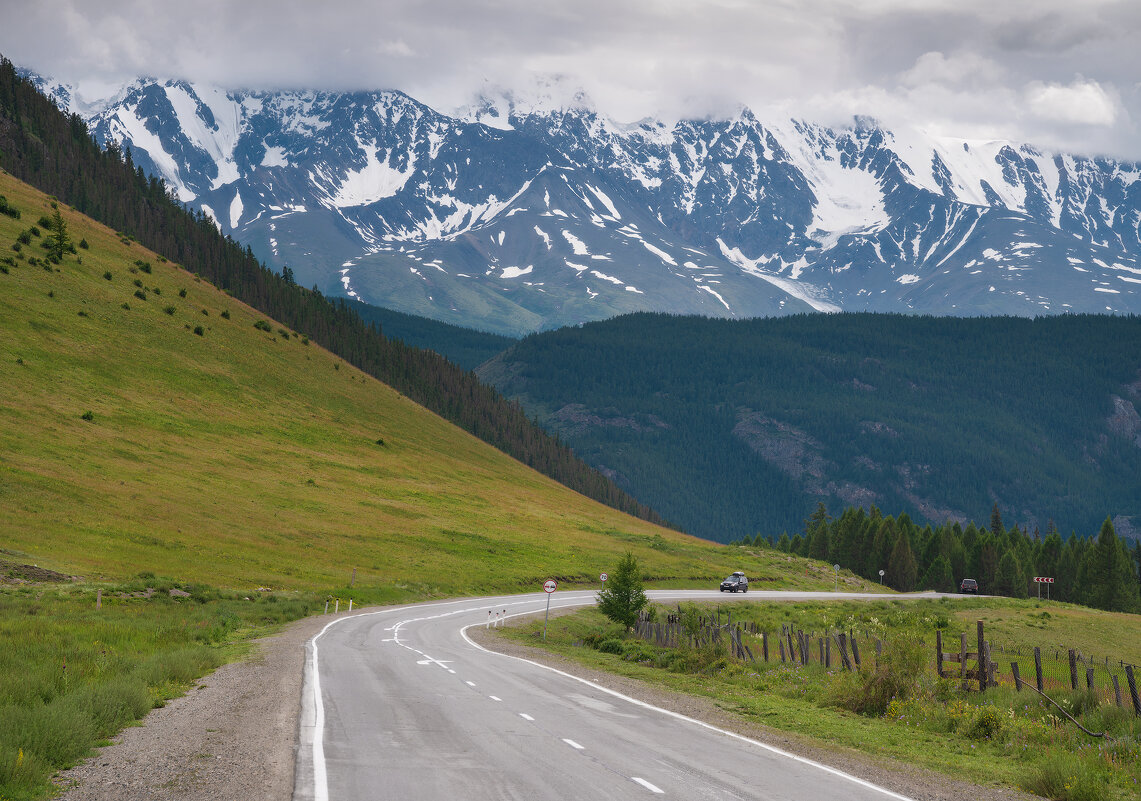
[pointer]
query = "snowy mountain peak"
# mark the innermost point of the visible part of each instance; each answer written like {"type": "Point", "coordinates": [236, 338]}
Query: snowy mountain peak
{"type": "Point", "coordinates": [530, 210]}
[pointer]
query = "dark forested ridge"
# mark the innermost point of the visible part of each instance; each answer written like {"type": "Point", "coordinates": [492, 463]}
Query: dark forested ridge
{"type": "Point", "coordinates": [465, 347]}
{"type": "Point", "coordinates": [52, 151]}
{"type": "Point", "coordinates": [733, 428]}
{"type": "Point", "coordinates": [1100, 571]}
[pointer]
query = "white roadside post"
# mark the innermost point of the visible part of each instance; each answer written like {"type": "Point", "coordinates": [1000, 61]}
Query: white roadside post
{"type": "Point", "coordinates": [548, 587]}
{"type": "Point", "coordinates": [836, 584]}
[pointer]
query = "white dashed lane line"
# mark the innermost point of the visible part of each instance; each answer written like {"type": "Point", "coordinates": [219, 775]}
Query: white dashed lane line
{"type": "Point", "coordinates": [470, 683]}
{"type": "Point", "coordinates": [648, 786]}
{"type": "Point", "coordinates": [572, 744]}
{"type": "Point", "coordinates": [495, 698]}
{"type": "Point", "coordinates": [525, 716]}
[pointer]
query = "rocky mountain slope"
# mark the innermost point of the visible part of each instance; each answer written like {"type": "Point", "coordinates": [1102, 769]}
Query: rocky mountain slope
{"type": "Point", "coordinates": [513, 219]}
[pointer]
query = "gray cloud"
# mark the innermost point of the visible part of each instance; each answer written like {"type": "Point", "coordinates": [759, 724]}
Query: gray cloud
{"type": "Point", "coordinates": [1053, 72]}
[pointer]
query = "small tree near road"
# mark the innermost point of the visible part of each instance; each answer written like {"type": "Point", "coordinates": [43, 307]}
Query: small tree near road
{"type": "Point", "coordinates": [622, 597]}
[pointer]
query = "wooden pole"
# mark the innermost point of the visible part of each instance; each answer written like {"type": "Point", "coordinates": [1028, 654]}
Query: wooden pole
{"type": "Point", "coordinates": [99, 599]}
{"type": "Point", "coordinates": [1038, 667]}
{"type": "Point", "coordinates": [1017, 678]}
{"type": "Point", "coordinates": [856, 652]}
{"type": "Point", "coordinates": [765, 645]}
{"type": "Point", "coordinates": [1133, 689]}
{"type": "Point", "coordinates": [1116, 690]}
{"type": "Point", "coordinates": [982, 658]}
{"type": "Point", "coordinates": [939, 652]}
{"type": "Point", "coordinates": [1073, 669]}
{"type": "Point", "coordinates": [1089, 678]}
{"type": "Point", "coordinates": [828, 653]}
{"type": "Point", "coordinates": [963, 658]}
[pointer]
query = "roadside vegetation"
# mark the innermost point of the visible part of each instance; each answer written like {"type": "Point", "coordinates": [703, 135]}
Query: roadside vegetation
{"type": "Point", "coordinates": [895, 706]}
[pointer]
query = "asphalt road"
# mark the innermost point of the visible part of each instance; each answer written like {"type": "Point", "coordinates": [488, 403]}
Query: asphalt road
{"type": "Point", "coordinates": [401, 704]}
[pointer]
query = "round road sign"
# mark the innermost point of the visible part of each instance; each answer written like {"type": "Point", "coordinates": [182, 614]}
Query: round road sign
{"type": "Point", "coordinates": [603, 577]}
{"type": "Point", "coordinates": [549, 585]}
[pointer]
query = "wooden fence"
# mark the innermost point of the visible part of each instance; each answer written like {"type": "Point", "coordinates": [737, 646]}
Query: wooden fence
{"type": "Point", "coordinates": [975, 661]}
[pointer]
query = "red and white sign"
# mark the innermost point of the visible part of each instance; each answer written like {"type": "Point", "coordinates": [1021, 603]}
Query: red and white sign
{"type": "Point", "coordinates": [549, 585]}
{"type": "Point", "coordinates": [1043, 580]}
{"type": "Point", "coordinates": [603, 577]}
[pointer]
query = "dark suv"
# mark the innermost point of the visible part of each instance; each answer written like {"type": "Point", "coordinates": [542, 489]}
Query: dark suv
{"type": "Point", "coordinates": [969, 585]}
{"type": "Point", "coordinates": [737, 582]}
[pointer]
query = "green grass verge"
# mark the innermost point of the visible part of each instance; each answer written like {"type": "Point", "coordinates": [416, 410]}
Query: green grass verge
{"type": "Point", "coordinates": [1000, 737]}
{"type": "Point", "coordinates": [71, 675]}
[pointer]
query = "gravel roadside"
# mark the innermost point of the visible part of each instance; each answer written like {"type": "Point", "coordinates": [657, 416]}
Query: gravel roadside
{"type": "Point", "coordinates": [234, 734]}
{"type": "Point", "coordinates": [231, 736]}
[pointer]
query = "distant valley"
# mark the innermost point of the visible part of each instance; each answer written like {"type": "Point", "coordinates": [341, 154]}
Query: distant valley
{"type": "Point", "coordinates": [734, 428]}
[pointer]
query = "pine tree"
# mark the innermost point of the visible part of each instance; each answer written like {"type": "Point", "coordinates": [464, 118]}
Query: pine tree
{"type": "Point", "coordinates": [1106, 575]}
{"type": "Point", "coordinates": [622, 597]}
{"type": "Point", "coordinates": [58, 240]}
{"type": "Point", "coordinates": [902, 570]}
{"type": "Point", "coordinates": [1009, 579]}
{"type": "Point", "coordinates": [996, 526]}
{"type": "Point", "coordinates": [938, 576]}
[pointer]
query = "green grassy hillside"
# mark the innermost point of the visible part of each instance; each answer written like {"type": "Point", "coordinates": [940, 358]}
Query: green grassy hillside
{"type": "Point", "coordinates": [245, 457]}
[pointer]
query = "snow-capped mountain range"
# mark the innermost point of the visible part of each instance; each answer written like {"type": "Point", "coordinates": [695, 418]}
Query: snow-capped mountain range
{"type": "Point", "coordinates": [512, 219]}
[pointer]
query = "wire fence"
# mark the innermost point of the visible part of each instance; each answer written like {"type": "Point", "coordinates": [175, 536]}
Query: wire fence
{"type": "Point", "coordinates": [1052, 668]}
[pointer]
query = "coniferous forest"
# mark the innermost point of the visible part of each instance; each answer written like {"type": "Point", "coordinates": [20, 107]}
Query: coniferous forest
{"type": "Point", "coordinates": [1102, 571]}
{"type": "Point", "coordinates": [732, 428]}
{"type": "Point", "coordinates": [54, 152]}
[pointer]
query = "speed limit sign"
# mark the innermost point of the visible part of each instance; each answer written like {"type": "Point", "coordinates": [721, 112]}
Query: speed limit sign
{"type": "Point", "coordinates": [603, 577]}
{"type": "Point", "coordinates": [549, 585]}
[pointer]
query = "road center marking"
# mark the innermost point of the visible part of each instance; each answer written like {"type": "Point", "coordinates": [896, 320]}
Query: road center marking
{"type": "Point", "coordinates": [648, 786]}
{"type": "Point", "coordinates": [470, 683]}
{"type": "Point", "coordinates": [525, 716]}
{"type": "Point", "coordinates": [572, 744]}
{"type": "Point", "coordinates": [495, 698]}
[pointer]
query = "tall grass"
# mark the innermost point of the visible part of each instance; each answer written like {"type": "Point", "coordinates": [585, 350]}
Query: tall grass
{"type": "Point", "coordinates": [72, 676]}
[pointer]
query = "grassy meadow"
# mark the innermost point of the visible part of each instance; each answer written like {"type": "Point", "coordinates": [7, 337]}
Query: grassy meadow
{"type": "Point", "coordinates": [157, 435]}
{"type": "Point", "coordinates": [896, 707]}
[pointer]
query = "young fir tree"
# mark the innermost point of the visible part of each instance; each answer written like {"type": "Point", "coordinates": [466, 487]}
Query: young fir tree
{"type": "Point", "coordinates": [58, 240]}
{"type": "Point", "coordinates": [622, 597]}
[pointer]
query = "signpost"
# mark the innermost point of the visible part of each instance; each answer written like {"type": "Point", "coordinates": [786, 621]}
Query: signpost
{"type": "Point", "coordinates": [1040, 580]}
{"type": "Point", "coordinates": [836, 584]}
{"type": "Point", "coordinates": [548, 587]}
{"type": "Point", "coordinates": [603, 578]}
{"type": "Point", "coordinates": [881, 577]}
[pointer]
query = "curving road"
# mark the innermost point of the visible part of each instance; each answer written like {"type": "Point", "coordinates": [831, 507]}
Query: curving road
{"type": "Point", "coordinates": [401, 704]}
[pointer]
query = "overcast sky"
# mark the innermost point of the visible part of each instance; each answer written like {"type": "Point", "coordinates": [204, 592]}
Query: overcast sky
{"type": "Point", "coordinates": [1058, 73]}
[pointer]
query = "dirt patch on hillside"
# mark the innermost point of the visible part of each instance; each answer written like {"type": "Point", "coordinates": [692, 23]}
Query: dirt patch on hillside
{"type": "Point", "coordinates": [14, 573]}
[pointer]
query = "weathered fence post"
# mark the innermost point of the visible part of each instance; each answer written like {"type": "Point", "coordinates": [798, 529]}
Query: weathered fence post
{"type": "Point", "coordinates": [841, 641]}
{"type": "Point", "coordinates": [856, 653]}
{"type": "Point", "coordinates": [1073, 669]}
{"type": "Point", "coordinates": [1089, 678]}
{"type": "Point", "coordinates": [822, 650]}
{"type": "Point", "coordinates": [1017, 678]}
{"type": "Point", "coordinates": [828, 653]}
{"type": "Point", "coordinates": [939, 652]}
{"type": "Point", "coordinates": [99, 599]}
{"type": "Point", "coordinates": [1038, 667]}
{"type": "Point", "coordinates": [982, 658]}
{"type": "Point", "coordinates": [781, 644]}
{"type": "Point", "coordinates": [963, 658]}
{"type": "Point", "coordinates": [1116, 690]}
{"type": "Point", "coordinates": [765, 645]}
{"type": "Point", "coordinates": [1133, 689]}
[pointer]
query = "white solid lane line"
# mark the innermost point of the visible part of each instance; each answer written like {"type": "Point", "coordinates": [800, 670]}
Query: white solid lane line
{"type": "Point", "coordinates": [648, 786]}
